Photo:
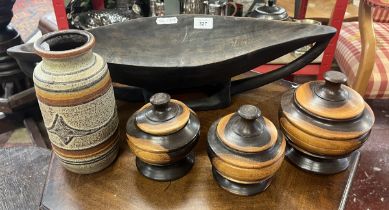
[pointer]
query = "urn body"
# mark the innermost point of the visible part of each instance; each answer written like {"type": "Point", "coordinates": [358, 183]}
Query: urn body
{"type": "Point", "coordinates": [324, 123]}
{"type": "Point", "coordinates": [245, 150]}
{"type": "Point", "coordinates": [162, 136]}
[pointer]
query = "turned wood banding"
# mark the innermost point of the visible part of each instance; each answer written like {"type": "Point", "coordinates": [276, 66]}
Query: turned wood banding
{"type": "Point", "coordinates": [324, 128]}
{"type": "Point", "coordinates": [245, 175]}
{"type": "Point", "coordinates": [156, 153]}
{"type": "Point", "coordinates": [327, 120]}
{"type": "Point", "coordinates": [245, 148]}
{"type": "Point", "coordinates": [317, 145]}
{"type": "Point", "coordinates": [162, 133]}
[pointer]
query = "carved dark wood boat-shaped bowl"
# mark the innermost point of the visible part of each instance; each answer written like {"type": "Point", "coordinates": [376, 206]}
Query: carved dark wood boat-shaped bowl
{"type": "Point", "coordinates": [167, 57]}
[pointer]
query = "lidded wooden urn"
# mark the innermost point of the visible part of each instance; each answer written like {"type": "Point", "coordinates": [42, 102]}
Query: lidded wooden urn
{"type": "Point", "coordinates": [324, 122]}
{"type": "Point", "coordinates": [162, 135]}
{"type": "Point", "coordinates": [245, 150]}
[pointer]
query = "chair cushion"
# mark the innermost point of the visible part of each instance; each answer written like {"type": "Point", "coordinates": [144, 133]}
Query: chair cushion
{"type": "Point", "coordinates": [380, 14]}
{"type": "Point", "coordinates": [348, 54]}
{"type": "Point", "coordinates": [380, 10]}
{"type": "Point", "coordinates": [378, 3]}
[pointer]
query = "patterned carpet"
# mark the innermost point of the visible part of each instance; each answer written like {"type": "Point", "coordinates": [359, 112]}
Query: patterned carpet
{"type": "Point", "coordinates": [27, 14]}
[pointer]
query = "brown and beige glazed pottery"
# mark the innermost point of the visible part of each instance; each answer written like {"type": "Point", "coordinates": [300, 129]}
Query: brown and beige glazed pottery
{"type": "Point", "coordinates": [76, 98]}
{"type": "Point", "coordinates": [245, 150]}
{"type": "Point", "coordinates": [324, 123]}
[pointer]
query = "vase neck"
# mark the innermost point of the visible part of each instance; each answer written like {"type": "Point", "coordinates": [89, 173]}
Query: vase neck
{"type": "Point", "coordinates": [64, 44]}
{"type": "Point", "coordinates": [68, 65]}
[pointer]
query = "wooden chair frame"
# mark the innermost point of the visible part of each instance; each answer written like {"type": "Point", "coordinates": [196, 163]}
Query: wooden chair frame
{"type": "Point", "coordinates": [368, 53]}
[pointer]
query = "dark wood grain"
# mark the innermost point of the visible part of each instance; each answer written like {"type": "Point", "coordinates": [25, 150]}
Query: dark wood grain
{"type": "Point", "coordinates": [22, 176]}
{"type": "Point", "coordinates": [22, 99]}
{"type": "Point", "coordinates": [151, 57]}
{"type": "Point", "coordinates": [120, 186]}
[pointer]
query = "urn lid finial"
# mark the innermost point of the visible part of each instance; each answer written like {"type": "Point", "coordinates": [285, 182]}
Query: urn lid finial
{"type": "Point", "coordinates": [247, 130]}
{"type": "Point", "coordinates": [249, 112]}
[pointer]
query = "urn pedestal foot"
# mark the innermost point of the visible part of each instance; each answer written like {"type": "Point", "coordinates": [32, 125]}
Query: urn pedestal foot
{"type": "Point", "coordinates": [166, 172]}
{"type": "Point", "coordinates": [238, 188]}
{"type": "Point", "coordinates": [316, 164]}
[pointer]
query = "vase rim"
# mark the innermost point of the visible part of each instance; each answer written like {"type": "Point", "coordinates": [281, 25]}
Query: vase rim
{"type": "Point", "coordinates": [84, 45]}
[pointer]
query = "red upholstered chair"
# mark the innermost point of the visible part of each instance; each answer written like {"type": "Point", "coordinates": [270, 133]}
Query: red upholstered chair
{"type": "Point", "coordinates": [362, 51]}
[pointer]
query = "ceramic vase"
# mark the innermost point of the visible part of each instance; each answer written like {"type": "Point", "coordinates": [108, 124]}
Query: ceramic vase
{"type": "Point", "coordinates": [76, 98]}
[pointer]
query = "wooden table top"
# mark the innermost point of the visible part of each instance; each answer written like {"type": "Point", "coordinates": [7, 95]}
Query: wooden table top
{"type": "Point", "coordinates": [120, 186]}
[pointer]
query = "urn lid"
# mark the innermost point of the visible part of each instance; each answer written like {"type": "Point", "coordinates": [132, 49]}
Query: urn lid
{"type": "Point", "coordinates": [162, 116]}
{"type": "Point", "coordinates": [330, 99]}
{"type": "Point", "coordinates": [270, 11]}
{"type": "Point", "coordinates": [162, 125]}
{"type": "Point", "coordinates": [247, 130]}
